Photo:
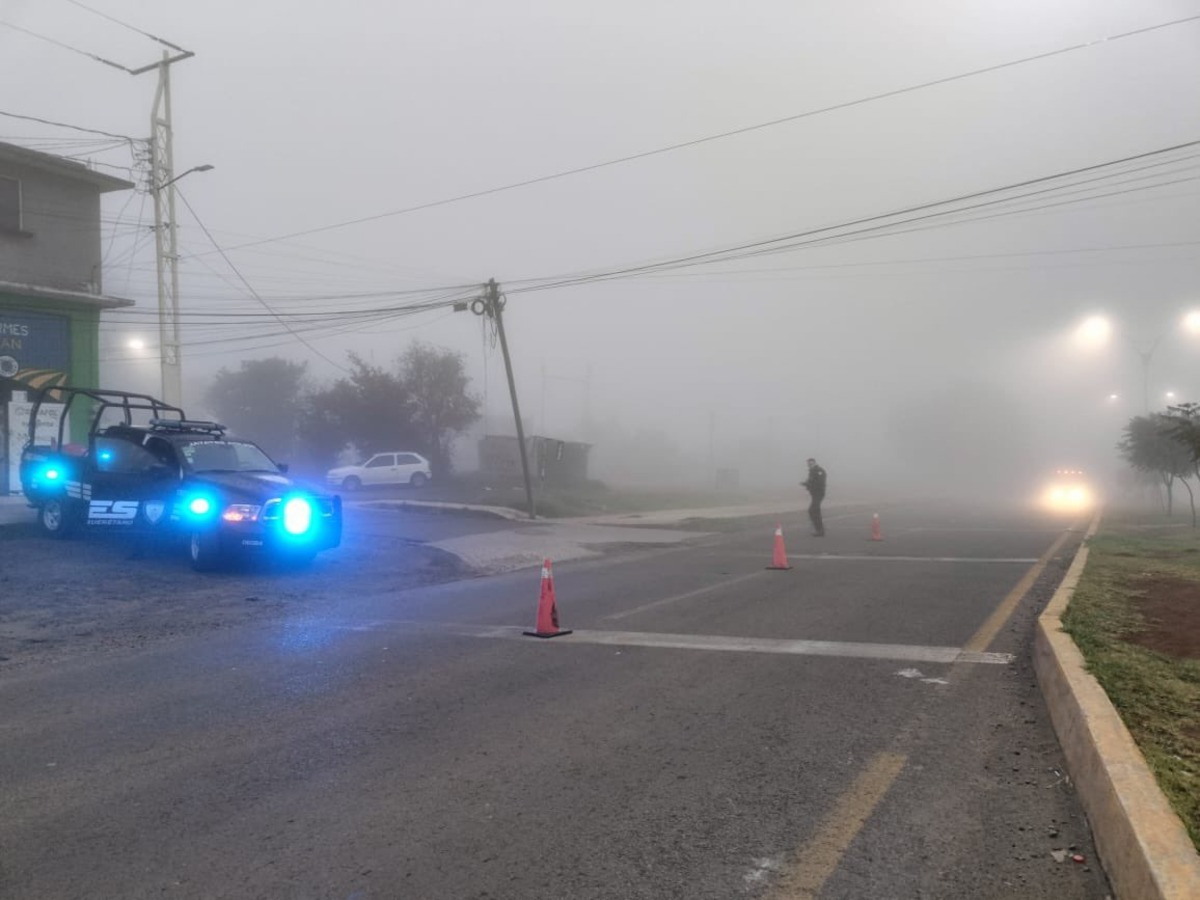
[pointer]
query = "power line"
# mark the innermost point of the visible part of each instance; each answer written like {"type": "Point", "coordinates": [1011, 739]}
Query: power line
{"type": "Point", "coordinates": [892, 228]}
{"type": "Point", "coordinates": [322, 331]}
{"type": "Point", "coordinates": [721, 135]}
{"type": "Point", "coordinates": [123, 137]}
{"type": "Point", "coordinates": [249, 287]}
{"type": "Point", "coordinates": [829, 232]}
{"type": "Point", "coordinates": [966, 257]}
{"type": "Point", "coordinates": [103, 15]}
{"type": "Point", "coordinates": [58, 43]}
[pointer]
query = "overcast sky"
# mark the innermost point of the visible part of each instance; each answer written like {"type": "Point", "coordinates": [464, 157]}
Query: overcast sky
{"type": "Point", "coordinates": [315, 113]}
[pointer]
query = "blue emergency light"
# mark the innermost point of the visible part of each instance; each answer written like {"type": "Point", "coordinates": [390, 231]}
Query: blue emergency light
{"type": "Point", "coordinates": [199, 505]}
{"type": "Point", "coordinates": [297, 516]}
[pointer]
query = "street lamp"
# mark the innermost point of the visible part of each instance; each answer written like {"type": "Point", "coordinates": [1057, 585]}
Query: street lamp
{"type": "Point", "coordinates": [166, 242]}
{"type": "Point", "coordinates": [1095, 331]}
{"type": "Point", "coordinates": [201, 168]}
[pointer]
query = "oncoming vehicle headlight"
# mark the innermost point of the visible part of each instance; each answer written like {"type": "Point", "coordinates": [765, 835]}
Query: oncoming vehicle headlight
{"type": "Point", "coordinates": [1068, 498]}
{"type": "Point", "coordinates": [297, 515]}
{"type": "Point", "coordinates": [241, 512]}
{"type": "Point", "coordinates": [51, 474]}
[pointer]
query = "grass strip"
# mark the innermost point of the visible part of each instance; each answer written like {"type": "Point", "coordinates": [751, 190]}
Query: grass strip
{"type": "Point", "coordinates": [1134, 616]}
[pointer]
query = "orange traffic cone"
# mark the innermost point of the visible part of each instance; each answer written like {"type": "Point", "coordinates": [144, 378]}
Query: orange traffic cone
{"type": "Point", "coordinates": [547, 616]}
{"type": "Point", "coordinates": [779, 555]}
{"type": "Point", "coordinates": [876, 529]}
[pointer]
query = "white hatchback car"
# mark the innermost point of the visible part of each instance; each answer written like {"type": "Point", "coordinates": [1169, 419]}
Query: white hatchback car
{"type": "Point", "coordinates": [399, 467]}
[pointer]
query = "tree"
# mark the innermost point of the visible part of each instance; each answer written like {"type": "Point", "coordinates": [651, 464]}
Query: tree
{"type": "Point", "coordinates": [1150, 445]}
{"type": "Point", "coordinates": [441, 407]}
{"type": "Point", "coordinates": [1184, 426]}
{"type": "Point", "coordinates": [420, 406]}
{"type": "Point", "coordinates": [370, 408]}
{"type": "Point", "coordinates": [261, 401]}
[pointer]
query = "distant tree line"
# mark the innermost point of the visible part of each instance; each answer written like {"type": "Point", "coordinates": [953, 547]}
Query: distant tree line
{"type": "Point", "coordinates": [421, 403]}
{"type": "Point", "coordinates": [1166, 446]}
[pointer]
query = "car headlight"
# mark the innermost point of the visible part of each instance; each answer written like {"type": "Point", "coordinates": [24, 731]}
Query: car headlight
{"type": "Point", "coordinates": [241, 512]}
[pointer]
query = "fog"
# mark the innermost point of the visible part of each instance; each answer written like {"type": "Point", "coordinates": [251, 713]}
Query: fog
{"type": "Point", "coordinates": [932, 355]}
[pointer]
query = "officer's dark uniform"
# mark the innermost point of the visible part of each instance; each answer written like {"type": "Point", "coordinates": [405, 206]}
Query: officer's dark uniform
{"type": "Point", "coordinates": [816, 489]}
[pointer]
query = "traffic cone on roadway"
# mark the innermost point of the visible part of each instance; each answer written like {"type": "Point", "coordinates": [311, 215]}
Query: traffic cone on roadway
{"type": "Point", "coordinates": [876, 529]}
{"type": "Point", "coordinates": [779, 554]}
{"type": "Point", "coordinates": [547, 614]}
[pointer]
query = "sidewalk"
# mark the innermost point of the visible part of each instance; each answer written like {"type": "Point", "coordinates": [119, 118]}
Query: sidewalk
{"type": "Point", "coordinates": [669, 517]}
{"type": "Point", "coordinates": [656, 519]}
{"type": "Point", "coordinates": [528, 542]}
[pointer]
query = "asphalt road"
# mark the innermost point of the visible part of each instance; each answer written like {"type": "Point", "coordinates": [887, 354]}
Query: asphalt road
{"type": "Point", "coordinates": [712, 729]}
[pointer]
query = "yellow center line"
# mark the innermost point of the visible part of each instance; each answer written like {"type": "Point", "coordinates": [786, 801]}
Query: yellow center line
{"type": "Point", "coordinates": [819, 858]}
{"type": "Point", "coordinates": [988, 630]}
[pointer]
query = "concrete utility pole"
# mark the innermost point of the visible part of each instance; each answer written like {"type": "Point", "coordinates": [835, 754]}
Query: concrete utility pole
{"type": "Point", "coordinates": [492, 304]}
{"type": "Point", "coordinates": [1146, 356]}
{"type": "Point", "coordinates": [166, 242]}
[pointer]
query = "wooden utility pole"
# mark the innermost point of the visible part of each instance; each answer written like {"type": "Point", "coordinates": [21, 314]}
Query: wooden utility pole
{"type": "Point", "coordinates": [491, 304]}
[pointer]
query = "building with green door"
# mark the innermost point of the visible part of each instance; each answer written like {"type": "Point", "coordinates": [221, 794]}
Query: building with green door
{"type": "Point", "coordinates": [51, 285]}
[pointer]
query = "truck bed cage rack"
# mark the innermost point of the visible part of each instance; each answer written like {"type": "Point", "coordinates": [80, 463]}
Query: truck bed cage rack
{"type": "Point", "coordinates": [102, 401]}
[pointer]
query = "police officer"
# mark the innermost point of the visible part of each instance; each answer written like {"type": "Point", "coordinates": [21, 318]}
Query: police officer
{"type": "Point", "coordinates": [816, 490]}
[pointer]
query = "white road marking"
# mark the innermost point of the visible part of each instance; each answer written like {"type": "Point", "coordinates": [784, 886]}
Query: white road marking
{"type": "Point", "coordinates": [917, 673]}
{"type": "Point", "coordinates": [686, 596]}
{"type": "Point", "coordinates": [932, 559]}
{"type": "Point", "coordinates": [956, 529]}
{"type": "Point", "coordinates": [845, 649]}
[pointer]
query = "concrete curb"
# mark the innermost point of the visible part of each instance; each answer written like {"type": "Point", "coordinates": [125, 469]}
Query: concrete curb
{"type": "Point", "coordinates": [1143, 845]}
{"type": "Point", "coordinates": [445, 508]}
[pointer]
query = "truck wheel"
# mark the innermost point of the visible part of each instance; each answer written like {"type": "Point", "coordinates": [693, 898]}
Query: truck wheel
{"type": "Point", "coordinates": [58, 518]}
{"type": "Point", "coordinates": [204, 551]}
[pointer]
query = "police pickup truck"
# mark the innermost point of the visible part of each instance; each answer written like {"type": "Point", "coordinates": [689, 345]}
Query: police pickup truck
{"type": "Point", "coordinates": [148, 471]}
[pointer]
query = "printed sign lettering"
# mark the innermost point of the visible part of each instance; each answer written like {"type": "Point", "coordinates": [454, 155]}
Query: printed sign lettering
{"type": "Point", "coordinates": [112, 512]}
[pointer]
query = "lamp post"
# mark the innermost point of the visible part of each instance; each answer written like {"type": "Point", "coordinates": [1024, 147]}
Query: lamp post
{"type": "Point", "coordinates": [1096, 331]}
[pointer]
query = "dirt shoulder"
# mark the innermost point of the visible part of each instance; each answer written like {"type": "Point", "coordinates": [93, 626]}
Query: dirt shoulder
{"type": "Point", "coordinates": [1136, 618]}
